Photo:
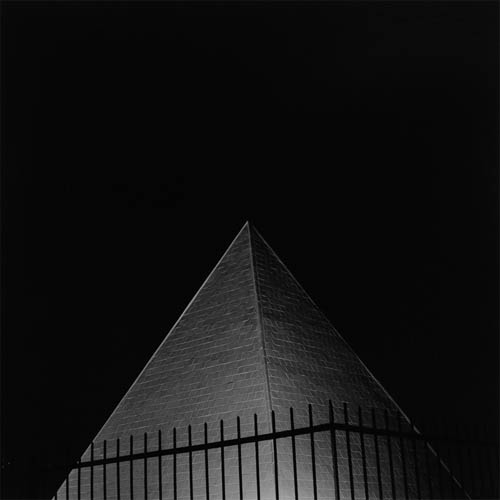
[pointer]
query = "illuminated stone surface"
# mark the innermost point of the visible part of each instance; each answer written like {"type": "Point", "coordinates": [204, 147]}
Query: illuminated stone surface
{"type": "Point", "coordinates": [251, 341]}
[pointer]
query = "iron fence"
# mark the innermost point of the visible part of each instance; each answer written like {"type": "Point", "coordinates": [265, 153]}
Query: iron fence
{"type": "Point", "coordinates": [367, 459]}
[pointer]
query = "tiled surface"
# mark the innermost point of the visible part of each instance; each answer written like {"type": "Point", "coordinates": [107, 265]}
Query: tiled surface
{"type": "Point", "coordinates": [251, 341]}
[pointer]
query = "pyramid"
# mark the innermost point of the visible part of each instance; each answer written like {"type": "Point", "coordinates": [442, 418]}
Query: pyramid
{"type": "Point", "coordinates": [251, 341]}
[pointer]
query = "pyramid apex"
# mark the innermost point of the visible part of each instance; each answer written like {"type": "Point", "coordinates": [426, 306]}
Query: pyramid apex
{"type": "Point", "coordinates": [248, 227]}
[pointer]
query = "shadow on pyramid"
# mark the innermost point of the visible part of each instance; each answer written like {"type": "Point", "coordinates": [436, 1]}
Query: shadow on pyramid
{"type": "Point", "coordinates": [252, 342]}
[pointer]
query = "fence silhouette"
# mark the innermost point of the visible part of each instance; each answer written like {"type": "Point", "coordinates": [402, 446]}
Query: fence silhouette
{"type": "Point", "coordinates": [356, 457]}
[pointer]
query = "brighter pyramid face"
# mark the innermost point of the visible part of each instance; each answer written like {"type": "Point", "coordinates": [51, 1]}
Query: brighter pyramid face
{"type": "Point", "coordinates": [250, 341]}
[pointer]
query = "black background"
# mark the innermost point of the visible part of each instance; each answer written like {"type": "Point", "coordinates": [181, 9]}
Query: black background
{"type": "Point", "coordinates": [361, 139]}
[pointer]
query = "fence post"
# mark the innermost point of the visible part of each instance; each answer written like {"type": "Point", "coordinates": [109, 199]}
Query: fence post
{"type": "Point", "coordinates": [175, 462]}
{"type": "Point", "coordinates": [160, 459]}
{"type": "Point", "coordinates": [363, 452]}
{"type": "Point", "coordinates": [402, 451]}
{"type": "Point", "coordinates": [223, 471]}
{"type": "Point", "coordinates": [117, 469]}
{"type": "Point", "coordinates": [349, 455]}
{"type": "Point", "coordinates": [145, 466]}
{"type": "Point", "coordinates": [240, 478]}
{"type": "Point", "coordinates": [377, 455]}
{"type": "Point", "coordinates": [257, 465]}
{"type": "Point", "coordinates": [79, 481]}
{"type": "Point", "coordinates": [333, 445]}
{"type": "Point", "coordinates": [190, 456]}
{"type": "Point", "coordinates": [131, 468]}
{"type": "Point", "coordinates": [104, 492]}
{"type": "Point", "coordinates": [207, 480]}
{"type": "Point", "coordinates": [313, 455]}
{"type": "Point", "coordinates": [415, 459]}
{"type": "Point", "coordinates": [92, 471]}
{"type": "Point", "coordinates": [389, 452]}
{"type": "Point", "coordinates": [294, 457]}
{"type": "Point", "coordinates": [275, 448]}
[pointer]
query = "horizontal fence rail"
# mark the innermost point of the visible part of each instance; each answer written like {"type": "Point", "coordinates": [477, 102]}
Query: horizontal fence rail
{"type": "Point", "coordinates": [355, 458]}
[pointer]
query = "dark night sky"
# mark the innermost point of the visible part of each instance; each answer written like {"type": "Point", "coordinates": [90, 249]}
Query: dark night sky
{"type": "Point", "coordinates": [361, 139]}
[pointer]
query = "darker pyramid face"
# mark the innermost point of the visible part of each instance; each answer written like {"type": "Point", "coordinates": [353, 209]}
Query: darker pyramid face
{"type": "Point", "coordinates": [250, 342]}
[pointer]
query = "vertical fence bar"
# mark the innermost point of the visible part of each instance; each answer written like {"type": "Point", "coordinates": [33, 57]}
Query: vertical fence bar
{"type": "Point", "coordinates": [333, 445]}
{"type": "Point", "coordinates": [160, 459]}
{"type": "Point", "coordinates": [145, 466]}
{"type": "Point", "coordinates": [79, 481]}
{"type": "Point", "coordinates": [415, 459]}
{"type": "Point", "coordinates": [402, 451]}
{"type": "Point", "coordinates": [207, 480]}
{"type": "Point", "coordinates": [92, 471]}
{"type": "Point", "coordinates": [363, 452]}
{"type": "Point", "coordinates": [117, 469]}
{"type": "Point", "coordinates": [240, 475]}
{"type": "Point", "coordinates": [349, 454]}
{"type": "Point", "coordinates": [377, 455]}
{"type": "Point", "coordinates": [190, 457]}
{"type": "Point", "coordinates": [389, 452]}
{"type": "Point", "coordinates": [294, 457]}
{"type": "Point", "coordinates": [131, 468]}
{"type": "Point", "coordinates": [257, 465]}
{"type": "Point", "coordinates": [223, 471]}
{"type": "Point", "coordinates": [175, 462]}
{"type": "Point", "coordinates": [313, 454]}
{"type": "Point", "coordinates": [104, 486]}
{"type": "Point", "coordinates": [275, 448]}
